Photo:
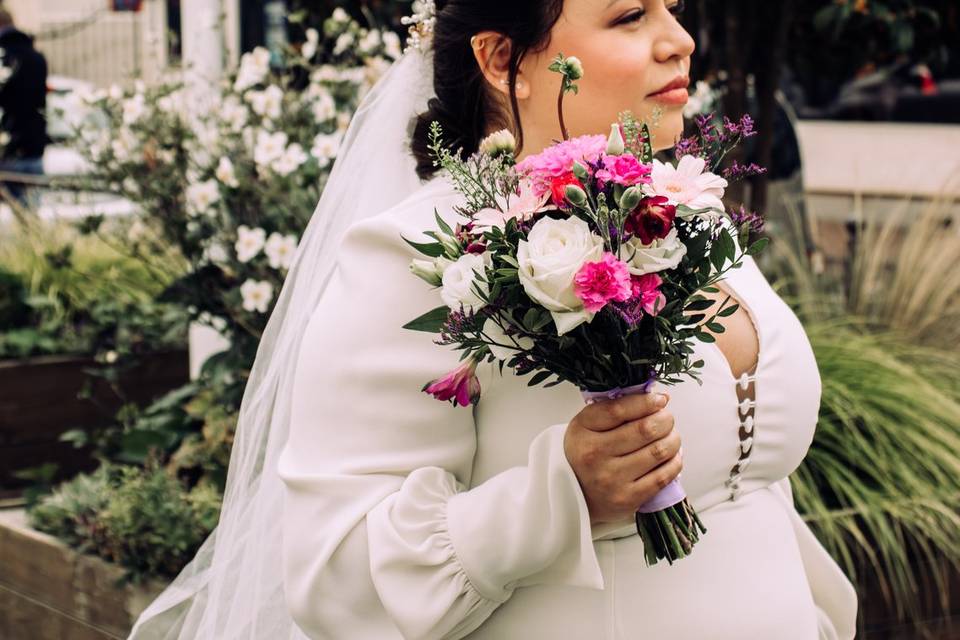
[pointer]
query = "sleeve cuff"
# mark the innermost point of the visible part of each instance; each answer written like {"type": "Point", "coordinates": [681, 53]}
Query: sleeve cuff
{"type": "Point", "coordinates": [526, 525]}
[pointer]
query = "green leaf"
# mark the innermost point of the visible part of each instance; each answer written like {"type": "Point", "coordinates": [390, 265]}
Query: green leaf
{"type": "Point", "coordinates": [716, 327]}
{"type": "Point", "coordinates": [758, 246]}
{"type": "Point", "coordinates": [432, 249]}
{"type": "Point", "coordinates": [699, 305]}
{"type": "Point", "coordinates": [431, 321]}
{"type": "Point", "coordinates": [530, 318]}
{"type": "Point", "coordinates": [538, 378]}
{"type": "Point", "coordinates": [443, 225]}
{"type": "Point", "coordinates": [704, 337]}
{"type": "Point", "coordinates": [729, 311]}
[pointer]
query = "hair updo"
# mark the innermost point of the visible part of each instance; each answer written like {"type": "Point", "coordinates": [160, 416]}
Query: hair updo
{"type": "Point", "coordinates": [463, 106]}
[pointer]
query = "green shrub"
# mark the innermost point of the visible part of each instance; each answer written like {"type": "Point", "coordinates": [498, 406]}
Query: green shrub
{"type": "Point", "coordinates": [142, 519]}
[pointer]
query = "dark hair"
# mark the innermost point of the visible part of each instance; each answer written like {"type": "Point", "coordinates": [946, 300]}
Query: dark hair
{"type": "Point", "coordinates": [463, 105]}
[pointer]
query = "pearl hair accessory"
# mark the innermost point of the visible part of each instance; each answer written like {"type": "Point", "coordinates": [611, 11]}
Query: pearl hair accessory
{"type": "Point", "coordinates": [420, 24]}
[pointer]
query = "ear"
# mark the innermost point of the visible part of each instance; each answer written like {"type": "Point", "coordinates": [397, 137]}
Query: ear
{"type": "Point", "coordinates": [492, 52]}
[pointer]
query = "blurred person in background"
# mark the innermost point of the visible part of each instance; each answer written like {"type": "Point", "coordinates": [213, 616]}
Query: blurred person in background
{"type": "Point", "coordinates": [23, 97]}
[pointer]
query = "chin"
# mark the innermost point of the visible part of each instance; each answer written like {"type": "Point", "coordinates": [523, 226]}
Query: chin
{"type": "Point", "coordinates": [666, 135]}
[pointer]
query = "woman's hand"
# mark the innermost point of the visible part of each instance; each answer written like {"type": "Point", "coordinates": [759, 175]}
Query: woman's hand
{"type": "Point", "coordinates": [623, 452]}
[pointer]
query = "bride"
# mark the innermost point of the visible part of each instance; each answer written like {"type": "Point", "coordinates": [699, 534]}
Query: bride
{"type": "Point", "coordinates": [357, 507]}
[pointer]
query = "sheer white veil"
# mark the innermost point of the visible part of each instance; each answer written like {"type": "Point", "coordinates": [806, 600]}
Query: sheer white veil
{"type": "Point", "coordinates": [233, 588]}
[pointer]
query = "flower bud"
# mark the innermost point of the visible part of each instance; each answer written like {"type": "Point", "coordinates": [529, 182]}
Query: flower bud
{"type": "Point", "coordinates": [574, 67]}
{"type": "Point", "coordinates": [498, 142]}
{"type": "Point", "coordinates": [580, 172]}
{"type": "Point", "coordinates": [630, 199]}
{"type": "Point", "coordinates": [427, 271]}
{"type": "Point", "coordinates": [575, 195]}
{"type": "Point", "coordinates": [615, 144]}
{"type": "Point", "coordinates": [451, 246]}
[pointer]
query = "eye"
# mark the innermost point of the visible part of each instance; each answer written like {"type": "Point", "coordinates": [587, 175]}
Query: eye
{"type": "Point", "coordinates": [632, 17]}
{"type": "Point", "coordinates": [676, 9]}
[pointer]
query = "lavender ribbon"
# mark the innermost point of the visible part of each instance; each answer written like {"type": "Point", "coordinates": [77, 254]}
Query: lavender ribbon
{"type": "Point", "coordinates": [673, 493]}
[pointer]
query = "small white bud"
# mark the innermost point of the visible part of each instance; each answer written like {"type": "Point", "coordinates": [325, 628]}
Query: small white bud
{"type": "Point", "coordinates": [615, 143]}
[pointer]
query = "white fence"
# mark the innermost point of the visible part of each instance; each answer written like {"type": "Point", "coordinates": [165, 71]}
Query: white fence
{"type": "Point", "coordinates": [102, 46]}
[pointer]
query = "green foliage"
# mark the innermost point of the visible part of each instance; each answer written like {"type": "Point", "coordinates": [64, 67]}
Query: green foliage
{"type": "Point", "coordinates": [142, 519]}
{"type": "Point", "coordinates": [880, 485]}
{"type": "Point", "coordinates": [68, 293]}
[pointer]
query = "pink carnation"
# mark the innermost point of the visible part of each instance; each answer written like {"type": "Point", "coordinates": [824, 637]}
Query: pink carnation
{"type": "Point", "coordinates": [557, 160]}
{"type": "Point", "coordinates": [597, 283]}
{"type": "Point", "coordinates": [645, 291]}
{"type": "Point", "coordinates": [625, 170]}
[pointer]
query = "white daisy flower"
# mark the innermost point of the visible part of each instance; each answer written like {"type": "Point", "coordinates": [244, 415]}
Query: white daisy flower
{"type": "Point", "coordinates": [226, 174]}
{"type": "Point", "coordinates": [269, 147]}
{"type": "Point", "coordinates": [280, 250]}
{"type": "Point", "coordinates": [201, 196]}
{"type": "Point", "coordinates": [257, 295]}
{"type": "Point", "coordinates": [291, 160]}
{"type": "Point", "coordinates": [324, 108]}
{"type": "Point", "coordinates": [249, 242]}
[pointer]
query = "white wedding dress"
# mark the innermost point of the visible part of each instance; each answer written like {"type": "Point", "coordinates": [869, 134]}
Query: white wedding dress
{"type": "Point", "coordinates": [405, 517]}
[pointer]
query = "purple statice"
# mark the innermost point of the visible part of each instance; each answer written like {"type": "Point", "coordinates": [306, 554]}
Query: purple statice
{"type": "Point", "coordinates": [744, 216]}
{"type": "Point", "coordinates": [707, 130]}
{"type": "Point", "coordinates": [457, 328]}
{"type": "Point", "coordinates": [630, 311]}
{"type": "Point", "coordinates": [737, 171]}
{"type": "Point", "coordinates": [689, 146]}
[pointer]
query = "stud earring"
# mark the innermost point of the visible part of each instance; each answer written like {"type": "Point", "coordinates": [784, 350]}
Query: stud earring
{"type": "Point", "coordinates": [473, 42]}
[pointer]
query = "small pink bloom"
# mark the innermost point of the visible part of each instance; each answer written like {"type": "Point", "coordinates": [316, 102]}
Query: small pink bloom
{"type": "Point", "coordinates": [597, 283]}
{"type": "Point", "coordinates": [460, 386]}
{"type": "Point", "coordinates": [557, 160]}
{"type": "Point", "coordinates": [625, 170]}
{"type": "Point", "coordinates": [524, 205]}
{"type": "Point", "coordinates": [646, 291]}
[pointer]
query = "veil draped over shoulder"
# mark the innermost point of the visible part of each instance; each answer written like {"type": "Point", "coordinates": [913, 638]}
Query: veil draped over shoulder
{"type": "Point", "coordinates": [233, 588]}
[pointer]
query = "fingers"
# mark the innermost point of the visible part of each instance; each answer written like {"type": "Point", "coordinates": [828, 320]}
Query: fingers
{"type": "Point", "coordinates": [646, 487]}
{"type": "Point", "coordinates": [609, 414]}
{"type": "Point", "coordinates": [647, 459]}
{"type": "Point", "coordinates": [636, 434]}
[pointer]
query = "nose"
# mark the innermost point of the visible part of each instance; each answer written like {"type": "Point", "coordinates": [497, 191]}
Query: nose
{"type": "Point", "coordinates": [673, 41]}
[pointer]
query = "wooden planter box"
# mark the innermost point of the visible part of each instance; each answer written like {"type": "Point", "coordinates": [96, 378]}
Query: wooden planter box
{"type": "Point", "coordinates": [39, 401]}
{"type": "Point", "coordinates": [50, 592]}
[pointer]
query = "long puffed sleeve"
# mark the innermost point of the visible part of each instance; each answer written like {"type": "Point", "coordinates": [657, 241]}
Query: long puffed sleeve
{"type": "Point", "coordinates": [833, 593]}
{"type": "Point", "coordinates": [382, 539]}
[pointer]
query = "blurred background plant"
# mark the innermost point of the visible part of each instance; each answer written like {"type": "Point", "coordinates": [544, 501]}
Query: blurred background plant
{"type": "Point", "coordinates": [222, 190]}
{"type": "Point", "coordinates": [881, 482]}
{"type": "Point", "coordinates": [65, 292]}
{"type": "Point", "coordinates": [144, 520]}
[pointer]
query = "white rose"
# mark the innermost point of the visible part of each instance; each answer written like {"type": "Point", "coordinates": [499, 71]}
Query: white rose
{"type": "Point", "coordinates": [659, 255]}
{"type": "Point", "coordinates": [493, 331]}
{"type": "Point", "coordinates": [459, 279]}
{"type": "Point", "coordinates": [549, 259]}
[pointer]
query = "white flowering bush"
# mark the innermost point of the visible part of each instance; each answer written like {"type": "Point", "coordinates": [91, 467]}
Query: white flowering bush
{"type": "Point", "coordinates": [231, 178]}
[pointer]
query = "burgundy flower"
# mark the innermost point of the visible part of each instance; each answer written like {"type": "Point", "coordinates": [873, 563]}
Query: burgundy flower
{"type": "Point", "coordinates": [651, 220]}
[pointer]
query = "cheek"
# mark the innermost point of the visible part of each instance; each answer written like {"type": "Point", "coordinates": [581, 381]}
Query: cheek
{"type": "Point", "coordinates": [617, 78]}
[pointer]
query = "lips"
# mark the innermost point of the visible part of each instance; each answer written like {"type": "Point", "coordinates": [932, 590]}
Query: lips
{"type": "Point", "coordinates": [681, 82]}
{"type": "Point", "coordinates": [673, 93]}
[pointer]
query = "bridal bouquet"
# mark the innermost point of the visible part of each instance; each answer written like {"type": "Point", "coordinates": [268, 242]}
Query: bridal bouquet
{"type": "Point", "coordinates": [584, 264]}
